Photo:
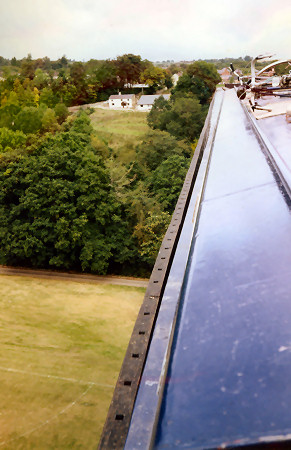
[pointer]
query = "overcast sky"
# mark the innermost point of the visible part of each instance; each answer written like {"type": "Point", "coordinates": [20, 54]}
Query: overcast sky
{"type": "Point", "coordinates": [155, 29]}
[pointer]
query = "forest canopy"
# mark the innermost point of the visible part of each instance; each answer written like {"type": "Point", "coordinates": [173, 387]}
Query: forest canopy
{"type": "Point", "coordinates": [69, 200]}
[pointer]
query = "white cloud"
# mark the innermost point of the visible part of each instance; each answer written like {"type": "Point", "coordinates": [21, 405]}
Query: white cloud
{"type": "Point", "coordinates": [164, 29]}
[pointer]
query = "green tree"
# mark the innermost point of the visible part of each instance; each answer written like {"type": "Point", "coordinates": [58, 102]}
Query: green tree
{"type": "Point", "coordinates": [12, 99]}
{"type": "Point", "coordinates": [166, 181]}
{"type": "Point", "coordinates": [61, 112]}
{"type": "Point", "coordinates": [27, 67]}
{"type": "Point", "coordinates": [78, 79]}
{"type": "Point", "coordinates": [28, 120]}
{"type": "Point", "coordinates": [153, 76]}
{"type": "Point", "coordinates": [183, 116]}
{"type": "Point", "coordinates": [47, 97]}
{"type": "Point", "coordinates": [49, 121]}
{"type": "Point", "coordinates": [24, 92]}
{"type": "Point", "coordinates": [41, 79]}
{"type": "Point", "coordinates": [105, 75]}
{"type": "Point", "coordinates": [186, 118]}
{"type": "Point", "coordinates": [77, 73]}
{"type": "Point", "coordinates": [11, 139]}
{"type": "Point", "coordinates": [156, 147]}
{"type": "Point", "coordinates": [150, 235]}
{"type": "Point", "coordinates": [57, 208]}
{"type": "Point", "coordinates": [14, 62]}
{"type": "Point", "coordinates": [46, 63]}
{"type": "Point", "coordinates": [168, 80]}
{"type": "Point", "coordinates": [7, 115]}
{"type": "Point", "coordinates": [129, 68]}
{"type": "Point", "coordinates": [63, 61]}
{"type": "Point", "coordinates": [82, 124]}
{"type": "Point", "coordinates": [68, 94]}
{"type": "Point", "coordinates": [200, 79]}
{"type": "Point", "coordinates": [157, 117]}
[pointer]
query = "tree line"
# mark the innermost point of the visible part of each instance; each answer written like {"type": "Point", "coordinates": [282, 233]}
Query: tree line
{"type": "Point", "coordinates": [75, 83]}
{"type": "Point", "coordinates": [242, 63]}
{"type": "Point", "coordinates": [67, 201]}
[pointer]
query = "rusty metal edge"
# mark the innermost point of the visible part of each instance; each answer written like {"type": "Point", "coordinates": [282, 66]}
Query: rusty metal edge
{"type": "Point", "coordinates": [120, 411]}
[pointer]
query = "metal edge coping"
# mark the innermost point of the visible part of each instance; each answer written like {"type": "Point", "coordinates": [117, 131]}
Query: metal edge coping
{"type": "Point", "coordinates": [196, 217]}
{"type": "Point", "coordinates": [269, 150]}
{"type": "Point", "coordinates": [119, 414]}
{"type": "Point", "coordinates": [282, 442]}
{"type": "Point", "coordinates": [141, 432]}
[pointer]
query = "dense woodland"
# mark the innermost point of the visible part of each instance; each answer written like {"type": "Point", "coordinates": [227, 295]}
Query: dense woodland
{"type": "Point", "coordinates": [75, 83]}
{"type": "Point", "coordinates": [67, 201]}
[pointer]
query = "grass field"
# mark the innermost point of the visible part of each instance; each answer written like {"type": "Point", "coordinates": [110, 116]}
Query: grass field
{"type": "Point", "coordinates": [62, 344]}
{"type": "Point", "coordinates": [122, 130]}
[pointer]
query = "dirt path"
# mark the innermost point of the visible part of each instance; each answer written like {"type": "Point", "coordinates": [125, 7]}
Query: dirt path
{"type": "Point", "coordinates": [83, 278]}
{"type": "Point", "coordinates": [100, 105]}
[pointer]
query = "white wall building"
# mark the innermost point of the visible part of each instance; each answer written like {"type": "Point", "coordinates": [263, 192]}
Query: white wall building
{"type": "Point", "coordinates": [145, 103]}
{"type": "Point", "coordinates": [175, 78]}
{"type": "Point", "coordinates": [120, 101]}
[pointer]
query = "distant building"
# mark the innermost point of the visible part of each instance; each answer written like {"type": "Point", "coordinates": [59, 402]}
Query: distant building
{"type": "Point", "coordinates": [136, 85]}
{"type": "Point", "coordinates": [176, 77]}
{"type": "Point", "coordinates": [225, 74]}
{"type": "Point", "coordinates": [145, 103]}
{"type": "Point", "coordinates": [141, 86]}
{"type": "Point", "coordinates": [121, 101]}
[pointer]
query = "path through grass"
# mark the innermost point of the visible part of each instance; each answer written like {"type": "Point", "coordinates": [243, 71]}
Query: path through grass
{"type": "Point", "coordinates": [62, 344]}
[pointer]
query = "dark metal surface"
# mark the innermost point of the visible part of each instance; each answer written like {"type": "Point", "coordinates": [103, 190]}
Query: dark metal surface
{"type": "Point", "coordinates": [148, 401]}
{"type": "Point", "coordinates": [120, 411]}
{"type": "Point", "coordinates": [229, 377]}
{"type": "Point", "coordinates": [230, 370]}
{"type": "Point", "coordinates": [227, 369]}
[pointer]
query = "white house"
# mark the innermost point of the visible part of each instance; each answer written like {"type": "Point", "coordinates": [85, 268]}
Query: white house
{"type": "Point", "coordinates": [120, 101]}
{"type": "Point", "coordinates": [145, 103]}
{"type": "Point", "coordinates": [175, 78]}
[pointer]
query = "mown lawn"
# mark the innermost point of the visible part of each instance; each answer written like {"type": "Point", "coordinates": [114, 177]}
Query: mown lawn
{"type": "Point", "coordinates": [121, 130]}
{"type": "Point", "coordinates": [62, 344]}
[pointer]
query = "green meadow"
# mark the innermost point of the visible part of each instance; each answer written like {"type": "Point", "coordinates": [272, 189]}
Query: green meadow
{"type": "Point", "coordinates": [121, 130]}
{"type": "Point", "coordinates": [62, 345]}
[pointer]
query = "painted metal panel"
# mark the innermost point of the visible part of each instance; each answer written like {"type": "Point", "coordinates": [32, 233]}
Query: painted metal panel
{"type": "Point", "coordinates": [229, 358]}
